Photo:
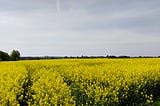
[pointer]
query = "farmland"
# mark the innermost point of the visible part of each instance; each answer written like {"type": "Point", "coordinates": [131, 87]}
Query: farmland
{"type": "Point", "coordinates": [70, 82]}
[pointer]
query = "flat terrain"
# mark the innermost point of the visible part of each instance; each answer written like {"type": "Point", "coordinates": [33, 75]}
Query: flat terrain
{"type": "Point", "coordinates": [80, 82]}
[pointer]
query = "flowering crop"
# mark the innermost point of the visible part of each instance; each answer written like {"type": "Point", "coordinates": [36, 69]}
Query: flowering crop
{"type": "Point", "coordinates": [80, 82]}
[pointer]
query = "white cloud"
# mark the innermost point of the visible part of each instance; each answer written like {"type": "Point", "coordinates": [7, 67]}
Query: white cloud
{"type": "Point", "coordinates": [35, 27]}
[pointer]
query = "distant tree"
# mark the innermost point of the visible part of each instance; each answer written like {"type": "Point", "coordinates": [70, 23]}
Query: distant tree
{"type": "Point", "coordinates": [123, 56]}
{"type": "Point", "coordinates": [15, 55]}
{"type": "Point", "coordinates": [4, 56]}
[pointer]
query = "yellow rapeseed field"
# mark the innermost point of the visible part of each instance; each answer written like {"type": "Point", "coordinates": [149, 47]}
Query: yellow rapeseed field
{"type": "Point", "coordinates": [70, 82]}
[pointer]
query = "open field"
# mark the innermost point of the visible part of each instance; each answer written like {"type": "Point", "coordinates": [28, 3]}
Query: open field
{"type": "Point", "coordinates": [72, 82]}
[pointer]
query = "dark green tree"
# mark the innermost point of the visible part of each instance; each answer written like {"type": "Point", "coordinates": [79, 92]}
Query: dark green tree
{"type": "Point", "coordinates": [15, 55]}
{"type": "Point", "coordinates": [4, 56]}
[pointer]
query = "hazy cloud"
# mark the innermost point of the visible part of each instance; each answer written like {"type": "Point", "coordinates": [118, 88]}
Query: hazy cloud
{"type": "Point", "coordinates": [89, 27]}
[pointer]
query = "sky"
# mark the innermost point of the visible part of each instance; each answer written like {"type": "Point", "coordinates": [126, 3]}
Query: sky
{"type": "Point", "coordinates": [80, 27]}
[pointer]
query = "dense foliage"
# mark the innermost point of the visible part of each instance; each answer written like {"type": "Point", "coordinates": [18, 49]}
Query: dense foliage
{"type": "Point", "coordinates": [109, 82]}
{"type": "Point", "coordinates": [15, 55]}
{"type": "Point", "coordinates": [4, 56]}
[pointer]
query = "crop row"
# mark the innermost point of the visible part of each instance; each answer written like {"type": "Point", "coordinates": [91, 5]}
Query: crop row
{"type": "Point", "coordinates": [108, 82]}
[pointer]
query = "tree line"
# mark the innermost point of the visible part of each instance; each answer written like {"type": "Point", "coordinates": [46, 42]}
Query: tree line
{"type": "Point", "coordinates": [83, 57]}
{"type": "Point", "coordinates": [14, 56]}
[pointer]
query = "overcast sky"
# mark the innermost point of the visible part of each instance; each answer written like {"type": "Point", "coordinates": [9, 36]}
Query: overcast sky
{"type": "Point", "coordinates": [80, 27]}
